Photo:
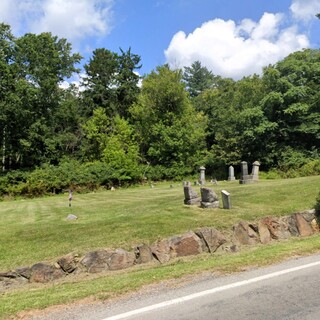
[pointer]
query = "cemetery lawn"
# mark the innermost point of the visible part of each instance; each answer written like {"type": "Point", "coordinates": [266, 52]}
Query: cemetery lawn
{"type": "Point", "coordinates": [36, 230]}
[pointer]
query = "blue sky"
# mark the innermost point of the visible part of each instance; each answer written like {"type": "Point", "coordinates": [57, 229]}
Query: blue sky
{"type": "Point", "coordinates": [232, 38]}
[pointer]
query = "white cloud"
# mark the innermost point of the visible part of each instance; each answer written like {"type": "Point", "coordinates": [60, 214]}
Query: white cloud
{"type": "Point", "coordinates": [76, 80]}
{"type": "Point", "coordinates": [71, 19]}
{"type": "Point", "coordinates": [235, 51]}
{"type": "Point", "coordinates": [305, 9]}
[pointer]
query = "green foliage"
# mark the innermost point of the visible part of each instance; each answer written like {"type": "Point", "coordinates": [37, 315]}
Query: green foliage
{"type": "Point", "coordinates": [51, 179]}
{"type": "Point", "coordinates": [96, 130]}
{"type": "Point", "coordinates": [198, 78]}
{"type": "Point", "coordinates": [292, 103]}
{"type": "Point", "coordinates": [270, 175]}
{"type": "Point", "coordinates": [111, 82]}
{"type": "Point", "coordinates": [171, 132]}
{"type": "Point", "coordinates": [122, 151]}
{"type": "Point", "coordinates": [177, 121]}
{"type": "Point", "coordinates": [311, 168]}
{"type": "Point", "coordinates": [175, 172]}
{"type": "Point", "coordinates": [291, 159]}
{"type": "Point", "coordinates": [32, 67]}
{"type": "Point", "coordinates": [114, 143]}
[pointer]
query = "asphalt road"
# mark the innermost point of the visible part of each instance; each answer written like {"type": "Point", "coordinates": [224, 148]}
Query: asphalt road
{"type": "Point", "coordinates": [286, 291]}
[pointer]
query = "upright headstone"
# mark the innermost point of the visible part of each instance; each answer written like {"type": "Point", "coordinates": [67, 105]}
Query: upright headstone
{"type": "Point", "coordinates": [255, 170]}
{"type": "Point", "coordinates": [231, 174]}
{"type": "Point", "coordinates": [226, 199]}
{"type": "Point", "coordinates": [209, 198]}
{"type": "Point", "coordinates": [245, 178]}
{"type": "Point", "coordinates": [190, 196]}
{"type": "Point", "coordinates": [202, 176]}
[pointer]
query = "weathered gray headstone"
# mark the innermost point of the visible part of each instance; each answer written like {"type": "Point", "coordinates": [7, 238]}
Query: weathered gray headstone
{"type": "Point", "coordinates": [255, 170]}
{"type": "Point", "coordinates": [202, 176]}
{"type": "Point", "coordinates": [209, 198]}
{"type": "Point", "coordinates": [244, 172]}
{"type": "Point", "coordinates": [231, 174]}
{"type": "Point", "coordinates": [190, 196]}
{"type": "Point", "coordinates": [245, 177]}
{"type": "Point", "coordinates": [226, 201]}
{"type": "Point", "coordinates": [208, 195]}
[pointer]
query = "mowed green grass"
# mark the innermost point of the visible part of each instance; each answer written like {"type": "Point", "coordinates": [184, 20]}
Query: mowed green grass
{"type": "Point", "coordinates": [34, 230]}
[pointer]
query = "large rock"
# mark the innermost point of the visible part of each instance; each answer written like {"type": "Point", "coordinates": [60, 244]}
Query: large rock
{"type": "Point", "coordinates": [41, 272]}
{"type": "Point", "coordinates": [11, 279]}
{"type": "Point", "coordinates": [24, 272]}
{"type": "Point", "coordinates": [96, 261]}
{"type": "Point", "coordinates": [121, 259]}
{"type": "Point", "coordinates": [244, 234]}
{"type": "Point", "coordinates": [309, 215]}
{"type": "Point", "coordinates": [143, 254]}
{"type": "Point", "coordinates": [264, 233]}
{"type": "Point", "coordinates": [303, 226]}
{"type": "Point", "coordinates": [212, 238]}
{"type": "Point", "coordinates": [8, 275]}
{"type": "Point", "coordinates": [208, 195]}
{"type": "Point", "coordinates": [185, 245]}
{"type": "Point", "coordinates": [315, 225]}
{"type": "Point", "coordinates": [292, 225]}
{"type": "Point", "coordinates": [103, 260]}
{"type": "Point", "coordinates": [69, 262]}
{"type": "Point", "coordinates": [161, 250]}
{"type": "Point", "coordinates": [277, 227]}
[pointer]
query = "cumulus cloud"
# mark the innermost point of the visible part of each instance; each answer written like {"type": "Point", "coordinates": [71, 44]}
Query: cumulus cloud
{"type": "Point", "coordinates": [76, 80]}
{"type": "Point", "coordinates": [71, 19]}
{"type": "Point", "coordinates": [305, 9]}
{"type": "Point", "coordinates": [236, 50]}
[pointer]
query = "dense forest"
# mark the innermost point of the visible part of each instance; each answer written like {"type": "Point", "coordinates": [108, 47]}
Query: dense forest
{"type": "Point", "coordinates": [120, 128]}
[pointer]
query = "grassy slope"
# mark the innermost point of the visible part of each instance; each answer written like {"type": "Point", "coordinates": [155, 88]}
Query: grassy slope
{"type": "Point", "coordinates": [36, 230]}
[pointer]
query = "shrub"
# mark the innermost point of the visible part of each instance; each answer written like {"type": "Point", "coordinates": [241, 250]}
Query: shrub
{"type": "Point", "coordinates": [271, 174]}
{"type": "Point", "coordinates": [312, 168]}
{"type": "Point", "coordinates": [292, 159]}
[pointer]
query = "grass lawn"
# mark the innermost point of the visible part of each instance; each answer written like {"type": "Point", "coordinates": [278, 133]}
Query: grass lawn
{"type": "Point", "coordinates": [34, 230]}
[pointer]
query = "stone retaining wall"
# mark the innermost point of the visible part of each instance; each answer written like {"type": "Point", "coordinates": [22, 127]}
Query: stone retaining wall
{"type": "Point", "coordinates": [301, 224]}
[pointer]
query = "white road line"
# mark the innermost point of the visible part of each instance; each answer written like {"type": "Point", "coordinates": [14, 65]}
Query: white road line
{"type": "Point", "coordinates": [210, 291]}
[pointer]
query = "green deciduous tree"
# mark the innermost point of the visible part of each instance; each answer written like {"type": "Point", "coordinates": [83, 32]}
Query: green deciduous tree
{"type": "Point", "coordinates": [113, 142]}
{"type": "Point", "coordinates": [32, 67]}
{"type": "Point", "coordinates": [171, 132]}
{"type": "Point", "coordinates": [292, 104]}
{"type": "Point", "coordinates": [236, 122]}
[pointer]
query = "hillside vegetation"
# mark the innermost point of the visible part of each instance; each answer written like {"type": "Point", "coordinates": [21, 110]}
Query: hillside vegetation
{"type": "Point", "coordinates": [120, 128]}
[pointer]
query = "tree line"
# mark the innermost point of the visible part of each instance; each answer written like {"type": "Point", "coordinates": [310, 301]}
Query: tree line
{"type": "Point", "coordinates": [159, 126]}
